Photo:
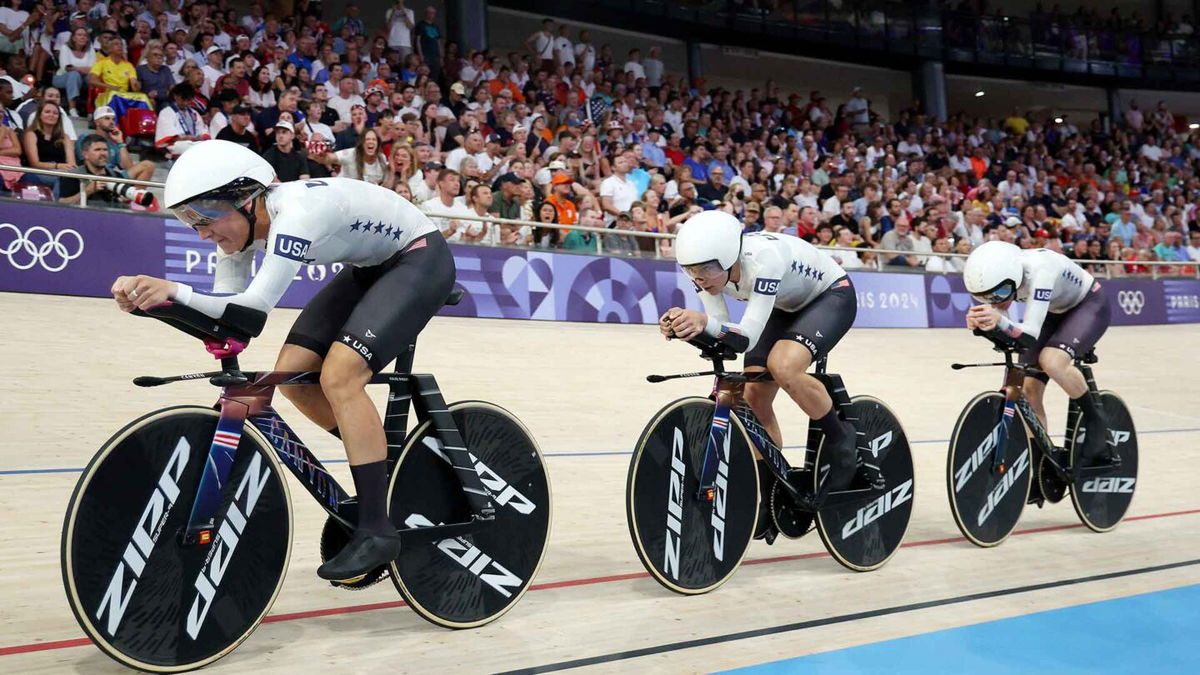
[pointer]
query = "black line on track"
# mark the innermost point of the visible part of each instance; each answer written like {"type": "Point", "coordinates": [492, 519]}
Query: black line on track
{"type": "Point", "coordinates": [843, 618]}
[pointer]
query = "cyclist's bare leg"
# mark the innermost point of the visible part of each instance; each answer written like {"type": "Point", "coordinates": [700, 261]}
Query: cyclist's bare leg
{"type": "Point", "coordinates": [787, 362]}
{"type": "Point", "coordinates": [308, 398]}
{"type": "Point", "coordinates": [1061, 368]}
{"type": "Point", "coordinates": [760, 396]}
{"type": "Point", "coordinates": [1035, 391]}
{"type": "Point", "coordinates": [344, 378]}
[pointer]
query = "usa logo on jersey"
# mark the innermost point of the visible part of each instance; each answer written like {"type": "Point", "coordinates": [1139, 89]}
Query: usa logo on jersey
{"type": "Point", "coordinates": [293, 248]}
{"type": "Point", "coordinates": [766, 286]}
{"type": "Point", "coordinates": [1042, 294]}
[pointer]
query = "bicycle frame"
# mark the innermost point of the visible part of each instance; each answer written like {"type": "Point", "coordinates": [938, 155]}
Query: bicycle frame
{"type": "Point", "coordinates": [1015, 402]}
{"type": "Point", "coordinates": [729, 388]}
{"type": "Point", "coordinates": [247, 396]}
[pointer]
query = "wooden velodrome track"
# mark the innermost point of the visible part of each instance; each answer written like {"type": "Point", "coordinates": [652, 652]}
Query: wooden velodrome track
{"type": "Point", "coordinates": [67, 365]}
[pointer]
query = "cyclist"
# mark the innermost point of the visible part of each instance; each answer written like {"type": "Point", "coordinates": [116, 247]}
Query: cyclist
{"type": "Point", "coordinates": [800, 304]}
{"type": "Point", "coordinates": [1066, 312]}
{"type": "Point", "coordinates": [398, 272]}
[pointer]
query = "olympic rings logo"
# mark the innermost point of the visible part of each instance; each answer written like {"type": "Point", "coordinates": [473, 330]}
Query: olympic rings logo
{"type": "Point", "coordinates": [1131, 302]}
{"type": "Point", "coordinates": [37, 246]}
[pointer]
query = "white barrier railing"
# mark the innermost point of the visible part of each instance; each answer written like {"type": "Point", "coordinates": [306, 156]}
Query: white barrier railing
{"type": "Point", "coordinates": [1156, 266]}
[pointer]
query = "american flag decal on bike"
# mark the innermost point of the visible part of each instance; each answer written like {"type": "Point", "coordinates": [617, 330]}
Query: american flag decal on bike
{"type": "Point", "coordinates": [226, 439]}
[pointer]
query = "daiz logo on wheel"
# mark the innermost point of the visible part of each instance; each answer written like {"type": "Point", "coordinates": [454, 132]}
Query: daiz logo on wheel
{"type": "Point", "coordinates": [37, 246]}
{"type": "Point", "coordinates": [1131, 302]}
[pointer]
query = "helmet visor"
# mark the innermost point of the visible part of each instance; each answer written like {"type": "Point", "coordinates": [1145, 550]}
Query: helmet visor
{"type": "Point", "coordinates": [710, 270]}
{"type": "Point", "coordinates": [998, 295]}
{"type": "Point", "coordinates": [203, 211]}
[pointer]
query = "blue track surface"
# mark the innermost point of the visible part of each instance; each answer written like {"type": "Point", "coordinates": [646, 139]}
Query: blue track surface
{"type": "Point", "coordinates": [1150, 633]}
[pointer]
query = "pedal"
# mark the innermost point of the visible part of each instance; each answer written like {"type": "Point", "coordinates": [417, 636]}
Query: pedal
{"type": "Point", "coordinates": [348, 582]}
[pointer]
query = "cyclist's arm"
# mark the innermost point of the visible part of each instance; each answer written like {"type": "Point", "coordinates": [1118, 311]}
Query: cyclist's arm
{"type": "Point", "coordinates": [1026, 332]}
{"type": "Point", "coordinates": [716, 311]}
{"type": "Point", "coordinates": [232, 272]}
{"type": "Point", "coordinates": [263, 294]}
{"type": "Point", "coordinates": [760, 304]}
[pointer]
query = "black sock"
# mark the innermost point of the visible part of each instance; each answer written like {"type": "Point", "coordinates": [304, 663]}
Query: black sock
{"type": "Point", "coordinates": [334, 431]}
{"type": "Point", "coordinates": [834, 428]}
{"type": "Point", "coordinates": [1089, 403]}
{"type": "Point", "coordinates": [370, 480]}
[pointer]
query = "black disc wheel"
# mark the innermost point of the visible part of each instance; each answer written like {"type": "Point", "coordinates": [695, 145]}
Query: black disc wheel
{"type": "Point", "coordinates": [864, 534]}
{"type": "Point", "coordinates": [1102, 494]}
{"type": "Point", "coordinates": [986, 496]}
{"type": "Point", "coordinates": [144, 597]}
{"type": "Point", "coordinates": [690, 543]}
{"type": "Point", "coordinates": [469, 580]}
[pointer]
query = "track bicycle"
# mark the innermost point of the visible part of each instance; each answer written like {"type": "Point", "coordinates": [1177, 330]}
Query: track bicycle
{"type": "Point", "coordinates": [1001, 457]}
{"type": "Point", "coordinates": [179, 532]}
{"type": "Point", "coordinates": [693, 488]}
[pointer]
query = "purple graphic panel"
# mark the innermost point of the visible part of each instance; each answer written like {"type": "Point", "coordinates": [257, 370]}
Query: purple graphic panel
{"type": "Point", "coordinates": [52, 249]}
{"type": "Point", "coordinates": [1182, 300]}
{"type": "Point", "coordinates": [890, 300]}
{"type": "Point", "coordinates": [1135, 301]}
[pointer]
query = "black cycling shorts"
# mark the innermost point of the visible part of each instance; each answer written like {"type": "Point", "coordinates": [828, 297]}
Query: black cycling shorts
{"type": "Point", "coordinates": [1075, 331]}
{"type": "Point", "coordinates": [378, 311]}
{"type": "Point", "coordinates": [819, 325]}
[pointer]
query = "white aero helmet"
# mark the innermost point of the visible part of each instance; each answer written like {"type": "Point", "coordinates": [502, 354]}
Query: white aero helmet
{"type": "Point", "coordinates": [709, 236]}
{"type": "Point", "coordinates": [214, 177]}
{"type": "Point", "coordinates": [994, 272]}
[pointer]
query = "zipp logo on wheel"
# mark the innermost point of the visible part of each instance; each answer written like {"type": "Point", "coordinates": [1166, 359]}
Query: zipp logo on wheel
{"type": "Point", "coordinates": [1131, 302]}
{"type": "Point", "coordinates": [137, 553]}
{"type": "Point", "coordinates": [482, 565]}
{"type": "Point", "coordinates": [37, 246]}
{"type": "Point", "coordinates": [878, 508]}
{"type": "Point", "coordinates": [674, 508]}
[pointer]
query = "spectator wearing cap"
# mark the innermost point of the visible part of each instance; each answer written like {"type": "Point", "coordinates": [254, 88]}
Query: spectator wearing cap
{"type": "Point", "coordinates": [374, 104]}
{"type": "Point", "coordinates": [508, 203]}
{"type": "Point", "coordinates": [118, 153]}
{"type": "Point", "coordinates": [285, 156]}
{"type": "Point", "coordinates": [543, 176]}
{"type": "Point", "coordinates": [562, 193]}
{"type": "Point", "coordinates": [458, 99]}
{"type": "Point", "coordinates": [155, 76]}
{"type": "Point", "coordinates": [751, 212]}
{"type": "Point", "coordinates": [346, 99]}
{"type": "Point", "coordinates": [213, 68]}
{"type": "Point", "coordinates": [620, 242]}
{"type": "Point", "coordinates": [857, 110]}
{"type": "Point", "coordinates": [491, 161]}
{"type": "Point", "coordinates": [652, 152]}
{"type": "Point", "coordinates": [95, 162]}
{"type": "Point", "coordinates": [617, 192]}
{"type": "Point", "coordinates": [238, 130]}
{"type": "Point", "coordinates": [179, 126]}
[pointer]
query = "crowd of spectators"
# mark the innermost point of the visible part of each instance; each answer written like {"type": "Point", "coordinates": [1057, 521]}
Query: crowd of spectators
{"type": "Point", "coordinates": [562, 131]}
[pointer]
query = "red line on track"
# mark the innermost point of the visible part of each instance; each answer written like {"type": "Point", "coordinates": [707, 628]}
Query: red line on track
{"type": "Point", "coordinates": [353, 609]}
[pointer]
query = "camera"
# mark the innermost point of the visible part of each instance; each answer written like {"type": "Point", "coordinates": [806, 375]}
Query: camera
{"type": "Point", "coordinates": [128, 193]}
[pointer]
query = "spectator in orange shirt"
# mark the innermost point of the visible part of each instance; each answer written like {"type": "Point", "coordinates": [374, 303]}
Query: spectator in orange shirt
{"type": "Point", "coordinates": [561, 191]}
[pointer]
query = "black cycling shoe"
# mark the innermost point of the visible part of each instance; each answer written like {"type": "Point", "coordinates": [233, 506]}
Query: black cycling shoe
{"type": "Point", "coordinates": [765, 528]}
{"type": "Point", "coordinates": [364, 552]}
{"type": "Point", "coordinates": [1098, 446]}
{"type": "Point", "coordinates": [843, 460]}
{"type": "Point", "coordinates": [871, 473]}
